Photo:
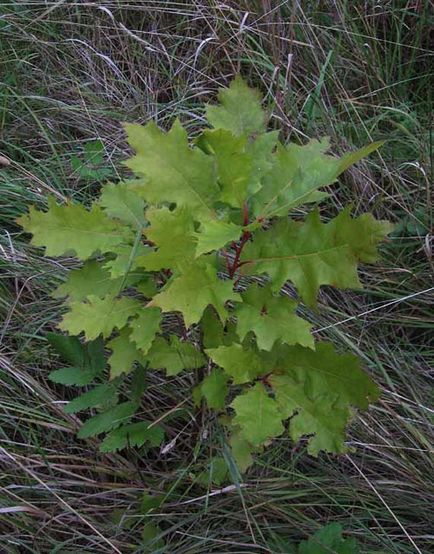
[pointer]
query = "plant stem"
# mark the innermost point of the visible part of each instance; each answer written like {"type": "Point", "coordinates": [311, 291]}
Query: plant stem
{"type": "Point", "coordinates": [239, 247]}
{"type": "Point", "coordinates": [238, 250]}
{"type": "Point", "coordinates": [245, 214]}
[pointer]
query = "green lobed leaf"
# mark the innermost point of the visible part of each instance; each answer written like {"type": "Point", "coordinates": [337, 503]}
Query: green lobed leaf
{"type": "Point", "coordinates": [98, 316]}
{"type": "Point", "coordinates": [257, 415]}
{"type": "Point", "coordinates": [108, 420]}
{"type": "Point", "coordinates": [138, 383]}
{"type": "Point", "coordinates": [134, 434]}
{"type": "Point", "coordinates": [88, 358]}
{"type": "Point", "coordinates": [329, 539]}
{"type": "Point", "coordinates": [147, 286]}
{"type": "Point", "coordinates": [323, 370]}
{"type": "Point", "coordinates": [271, 318]}
{"type": "Point", "coordinates": [124, 353]}
{"type": "Point", "coordinates": [99, 395]}
{"type": "Point", "coordinates": [215, 234]}
{"type": "Point", "coordinates": [313, 415]}
{"type": "Point", "coordinates": [315, 384]}
{"type": "Point", "coordinates": [241, 450]}
{"type": "Point", "coordinates": [174, 172]}
{"type": "Point", "coordinates": [124, 262]}
{"type": "Point", "coordinates": [365, 231]}
{"type": "Point", "coordinates": [172, 233]}
{"type": "Point", "coordinates": [120, 202]}
{"type": "Point", "coordinates": [174, 356]}
{"type": "Point", "coordinates": [312, 253]}
{"type": "Point", "coordinates": [214, 389]}
{"type": "Point", "coordinates": [91, 280]}
{"type": "Point", "coordinates": [144, 328]}
{"type": "Point", "coordinates": [214, 333]}
{"type": "Point", "coordinates": [234, 164]}
{"type": "Point", "coordinates": [240, 111]}
{"type": "Point", "coordinates": [193, 291]}
{"type": "Point", "coordinates": [261, 151]}
{"type": "Point", "coordinates": [242, 364]}
{"type": "Point", "coordinates": [241, 162]}
{"type": "Point", "coordinates": [298, 173]}
{"type": "Point", "coordinates": [72, 229]}
{"type": "Point", "coordinates": [69, 348]}
{"type": "Point", "coordinates": [72, 376]}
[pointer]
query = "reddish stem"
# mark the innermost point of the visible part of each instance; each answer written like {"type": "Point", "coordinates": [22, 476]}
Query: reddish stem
{"type": "Point", "coordinates": [238, 248]}
{"type": "Point", "coordinates": [245, 214]}
{"type": "Point", "coordinates": [265, 378]}
{"type": "Point", "coordinates": [236, 263]}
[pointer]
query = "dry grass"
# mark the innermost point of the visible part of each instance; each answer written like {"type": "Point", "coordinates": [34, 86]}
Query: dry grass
{"type": "Point", "coordinates": [71, 72]}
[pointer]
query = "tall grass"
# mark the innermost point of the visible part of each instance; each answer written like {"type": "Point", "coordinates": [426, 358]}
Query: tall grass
{"type": "Point", "coordinates": [357, 71]}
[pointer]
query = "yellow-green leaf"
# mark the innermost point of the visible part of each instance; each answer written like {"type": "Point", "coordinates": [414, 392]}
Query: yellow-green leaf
{"type": "Point", "coordinates": [271, 318]}
{"type": "Point", "coordinates": [235, 167]}
{"type": "Point", "coordinates": [145, 327]}
{"type": "Point", "coordinates": [174, 356]}
{"type": "Point", "coordinates": [120, 202]}
{"type": "Point", "coordinates": [174, 172]}
{"type": "Point", "coordinates": [240, 111]}
{"type": "Point", "coordinates": [97, 316]}
{"type": "Point", "coordinates": [297, 174]}
{"type": "Point", "coordinates": [124, 354]}
{"type": "Point", "coordinates": [172, 233]}
{"type": "Point", "coordinates": [72, 229]}
{"type": "Point", "coordinates": [320, 387]}
{"type": "Point", "coordinates": [241, 450]}
{"type": "Point", "coordinates": [193, 291]}
{"type": "Point", "coordinates": [124, 260]}
{"type": "Point", "coordinates": [215, 234]}
{"type": "Point", "coordinates": [258, 415]}
{"type": "Point", "coordinates": [242, 364]}
{"type": "Point", "coordinates": [312, 253]}
{"type": "Point", "coordinates": [320, 418]}
{"type": "Point", "coordinates": [214, 389]}
{"type": "Point", "coordinates": [91, 279]}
